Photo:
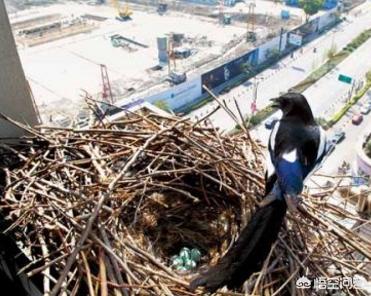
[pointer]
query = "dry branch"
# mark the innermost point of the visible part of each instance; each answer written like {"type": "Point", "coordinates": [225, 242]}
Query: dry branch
{"type": "Point", "coordinates": [102, 210]}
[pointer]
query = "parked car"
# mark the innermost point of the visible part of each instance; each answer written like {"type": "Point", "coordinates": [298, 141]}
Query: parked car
{"type": "Point", "coordinates": [338, 136]}
{"type": "Point", "coordinates": [366, 108]}
{"type": "Point", "coordinates": [335, 139]}
{"type": "Point", "coordinates": [368, 98]}
{"type": "Point", "coordinates": [269, 124]}
{"type": "Point", "coordinates": [357, 119]}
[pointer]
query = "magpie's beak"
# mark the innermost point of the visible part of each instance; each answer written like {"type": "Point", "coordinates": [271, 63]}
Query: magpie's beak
{"type": "Point", "coordinates": [276, 102]}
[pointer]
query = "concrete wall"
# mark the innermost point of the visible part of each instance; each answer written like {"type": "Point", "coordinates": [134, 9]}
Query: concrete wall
{"type": "Point", "coordinates": [174, 97]}
{"type": "Point", "coordinates": [212, 2]}
{"type": "Point", "coordinates": [274, 43]}
{"type": "Point", "coordinates": [179, 95]}
{"type": "Point", "coordinates": [327, 19]}
{"type": "Point", "coordinates": [15, 99]}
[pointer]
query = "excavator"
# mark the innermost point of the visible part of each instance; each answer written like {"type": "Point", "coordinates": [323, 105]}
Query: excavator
{"type": "Point", "coordinates": [123, 14]}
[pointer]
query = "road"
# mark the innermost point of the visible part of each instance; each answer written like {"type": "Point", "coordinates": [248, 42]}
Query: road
{"type": "Point", "coordinates": [328, 94]}
{"type": "Point", "coordinates": [345, 150]}
{"type": "Point", "coordinates": [288, 72]}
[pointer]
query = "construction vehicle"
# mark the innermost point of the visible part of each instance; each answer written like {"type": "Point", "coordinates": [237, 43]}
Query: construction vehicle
{"type": "Point", "coordinates": [118, 41]}
{"type": "Point", "coordinates": [162, 8]}
{"type": "Point", "coordinates": [177, 77]}
{"type": "Point", "coordinates": [123, 14]}
{"type": "Point", "coordinates": [227, 19]}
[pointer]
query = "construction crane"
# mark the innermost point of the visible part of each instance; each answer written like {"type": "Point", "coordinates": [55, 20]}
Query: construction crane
{"type": "Point", "coordinates": [221, 12]}
{"type": "Point", "coordinates": [123, 14]}
{"type": "Point", "coordinates": [106, 91]}
{"type": "Point", "coordinates": [171, 55]}
{"type": "Point", "coordinates": [251, 35]}
{"type": "Point", "coordinates": [174, 76]}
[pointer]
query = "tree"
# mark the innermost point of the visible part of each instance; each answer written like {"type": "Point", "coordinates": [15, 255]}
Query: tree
{"type": "Point", "coordinates": [368, 149]}
{"type": "Point", "coordinates": [368, 76]}
{"type": "Point", "coordinates": [321, 121]}
{"type": "Point", "coordinates": [331, 52]}
{"type": "Point", "coordinates": [310, 7]}
{"type": "Point", "coordinates": [247, 68]}
{"type": "Point", "coordinates": [272, 54]}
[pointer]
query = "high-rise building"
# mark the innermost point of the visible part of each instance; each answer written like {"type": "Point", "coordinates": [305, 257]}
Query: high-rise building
{"type": "Point", "coordinates": [15, 97]}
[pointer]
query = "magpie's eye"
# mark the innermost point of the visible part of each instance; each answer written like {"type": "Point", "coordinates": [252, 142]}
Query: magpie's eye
{"type": "Point", "coordinates": [284, 103]}
{"type": "Point", "coordinates": [287, 103]}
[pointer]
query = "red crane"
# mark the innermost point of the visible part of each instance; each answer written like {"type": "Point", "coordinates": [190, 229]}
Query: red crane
{"type": "Point", "coordinates": [107, 91]}
{"type": "Point", "coordinates": [221, 12]}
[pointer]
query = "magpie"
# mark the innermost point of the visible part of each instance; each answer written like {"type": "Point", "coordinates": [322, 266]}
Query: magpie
{"type": "Point", "coordinates": [297, 145]}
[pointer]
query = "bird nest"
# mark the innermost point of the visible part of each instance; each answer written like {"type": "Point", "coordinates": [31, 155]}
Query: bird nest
{"type": "Point", "coordinates": [104, 209]}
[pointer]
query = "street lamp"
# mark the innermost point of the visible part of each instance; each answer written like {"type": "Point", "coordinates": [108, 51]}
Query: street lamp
{"type": "Point", "coordinates": [255, 94]}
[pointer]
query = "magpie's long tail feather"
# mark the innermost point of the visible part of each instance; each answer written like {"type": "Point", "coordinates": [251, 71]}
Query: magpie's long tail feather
{"type": "Point", "coordinates": [248, 253]}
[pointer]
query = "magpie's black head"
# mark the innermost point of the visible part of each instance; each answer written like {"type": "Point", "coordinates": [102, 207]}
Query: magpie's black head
{"type": "Point", "coordinates": [294, 105]}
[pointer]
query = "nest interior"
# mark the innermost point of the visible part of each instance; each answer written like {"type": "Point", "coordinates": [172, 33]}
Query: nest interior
{"type": "Point", "coordinates": [167, 223]}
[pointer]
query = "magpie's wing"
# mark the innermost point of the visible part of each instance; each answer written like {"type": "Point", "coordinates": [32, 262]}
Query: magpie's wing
{"type": "Point", "coordinates": [290, 172]}
{"type": "Point", "coordinates": [295, 150]}
{"type": "Point", "coordinates": [270, 180]}
{"type": "Point", "coordinates": [270, 173]}
{"type": "Point", "coordinates": [321, 151]}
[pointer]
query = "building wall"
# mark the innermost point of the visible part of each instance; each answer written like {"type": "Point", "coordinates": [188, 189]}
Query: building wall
{"type": "Point", "coordinates": [327, 4]}
{"type": "Point", "coordinates": [327, 19]}
{"type": "Point", "coordinates": [179, 95]}
{"type": "Point", "coordinates": [15, 99]}
{"type": "Point", "coordinates": [213, 2]}
{"type": "Point", "coordinates": [272, 44]}
{"type": "Point", "coordinates": [229, 70]}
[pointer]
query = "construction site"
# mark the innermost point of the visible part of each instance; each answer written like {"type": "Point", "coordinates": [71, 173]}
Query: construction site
{"type": "Point", "coordinates": [68, 48]}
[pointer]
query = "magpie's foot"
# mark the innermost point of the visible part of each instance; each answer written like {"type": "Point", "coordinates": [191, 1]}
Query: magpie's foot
{"type": "Point", "coordinates": [293, 203]}
{"type": "Point", "coordinates": [211, 280]}
{"type": "Point", "coordinates": [267, 200]}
